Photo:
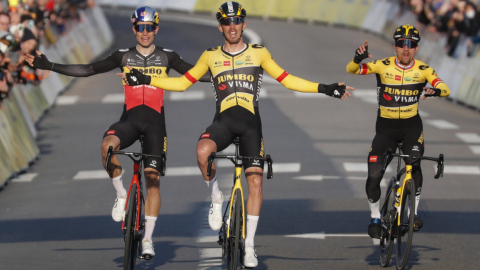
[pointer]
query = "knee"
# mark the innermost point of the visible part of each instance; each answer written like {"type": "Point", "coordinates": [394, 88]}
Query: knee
{"type": "Point", "coordinates": [203, 151]}
{"type": "Point", "coordinates": [152, 179]}
{"type": "Point", "coordinates": [106, 144]}
{"type": "Point", "coordinates": [255, 186]}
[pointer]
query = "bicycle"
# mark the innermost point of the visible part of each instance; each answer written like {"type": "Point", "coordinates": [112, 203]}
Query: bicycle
{"type": "Point", "coordinates": [396, 215]}
{"type": "Point", "coordinates": [232, 232]}
{"type": "Point", "coordinates": [132, 226]}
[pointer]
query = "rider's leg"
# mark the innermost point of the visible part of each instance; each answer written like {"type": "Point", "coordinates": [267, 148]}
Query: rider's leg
{"type": "Point", "coordinates": [413, 144]}
{"type": "Point", "coordinates": [254, 177]}
{"type": "Point", "coordinates": [153, 201]}
{"type": "Point", "coordinates": [116, 173]}
{"type": "Point", "coordinates": [204, 148]}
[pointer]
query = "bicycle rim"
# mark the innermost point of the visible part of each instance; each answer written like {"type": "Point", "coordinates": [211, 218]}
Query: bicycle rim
{"type": "Point", "coordinates": [386, 240]}
{"type": "Point", "coordinates": [131, 244]}
{"type": "Point", "coordinates": [235, 233]}
{"type": "Point", "coordinates": [405, 230]}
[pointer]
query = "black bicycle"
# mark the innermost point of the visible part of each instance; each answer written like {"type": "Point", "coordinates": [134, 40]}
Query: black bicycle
{"type": "Point", "coordinates": [133, 227]}
{"type": "Point", "coordinates": [398, 210]}
{"type": "Point", "coordinates": [233, 230]}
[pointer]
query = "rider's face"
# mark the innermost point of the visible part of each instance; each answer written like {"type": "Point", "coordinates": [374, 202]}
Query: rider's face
{"type": "Point", "coordinates": [232, 32]}
{"type": "Point", "coordinates": [405, 55]}
{"type": "Point", "coordinates": [145, 39]}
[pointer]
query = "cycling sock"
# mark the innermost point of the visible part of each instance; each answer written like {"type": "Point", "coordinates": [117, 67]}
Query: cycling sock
{"type": "Point", "coordinates": [214, 190]}
{"type": "Point", "coordinates": [252, 222]}
{"type": "Point", "coordinates": [374, 209]}
{"type": "Point", "coordinates": [118, 184]}
{"type": "Point", "coordinates": [149, 226]}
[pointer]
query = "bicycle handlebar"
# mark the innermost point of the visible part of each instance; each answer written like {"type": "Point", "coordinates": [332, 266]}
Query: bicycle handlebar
{"type": "Point", "coordinates": [214, 155]}
{"type": "Point", "coordinates": [439, 160]}
{"type": "Point", "coordinates": [136, 157]}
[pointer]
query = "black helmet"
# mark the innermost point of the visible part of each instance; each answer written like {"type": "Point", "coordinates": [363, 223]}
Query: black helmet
{"type": "Point", "coordinates": [145, 14]}
{"type": "Point", "coordinates": [407, 31]}
{"type": "Point", "coordinates": [230, 9]}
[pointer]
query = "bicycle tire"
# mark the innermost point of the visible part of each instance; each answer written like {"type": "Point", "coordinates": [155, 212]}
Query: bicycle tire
{"type": "Point", "coordinates": [235, 232]}
{"type": "Point", "coordinates": [386, 239]}
{"type": "Point", "coordinates": [131, 243]}
{"type": "Point", "coordinates": [405, 230]}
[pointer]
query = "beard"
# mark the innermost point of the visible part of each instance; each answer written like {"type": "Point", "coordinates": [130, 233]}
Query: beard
{"type": "Point", "coordinates": [235, 41]}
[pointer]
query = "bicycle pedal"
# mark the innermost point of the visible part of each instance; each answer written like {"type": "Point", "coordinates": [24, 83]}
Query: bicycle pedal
{"type": "Point", "coordinates": [147, 257]}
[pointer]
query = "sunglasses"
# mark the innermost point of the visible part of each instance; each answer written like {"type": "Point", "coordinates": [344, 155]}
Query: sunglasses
{"type": "Point", "coordinates": [148, 27]}
{"type": "Point", "coordinates": [410, 43]}
{"type": "Point", "coordinates": [229, 20]}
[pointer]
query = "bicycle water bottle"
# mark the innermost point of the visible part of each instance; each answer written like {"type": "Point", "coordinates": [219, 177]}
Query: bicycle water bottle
{"type": "Point", "coordinates": [397, 197]}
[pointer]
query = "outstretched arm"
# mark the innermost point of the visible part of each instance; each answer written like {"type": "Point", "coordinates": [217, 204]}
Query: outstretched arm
{"type": "Point", "coordinates": [182, 67]}
{"type": "Point", "coordinates": [40, 61]}
{"type": "Point", "coordinates": [291, 82]}
{"type": "Point", "coordinates": [440, 89]}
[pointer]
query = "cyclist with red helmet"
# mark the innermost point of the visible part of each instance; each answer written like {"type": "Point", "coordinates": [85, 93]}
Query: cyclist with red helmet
{"type": "Point", "coordinates": [237, 72]}
{"type": "Point", "coordinates": [400, 82]}
{"type": "Point", "coordinates": [143, 110]}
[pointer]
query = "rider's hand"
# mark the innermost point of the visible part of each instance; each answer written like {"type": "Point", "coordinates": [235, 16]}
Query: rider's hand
{"type": "Point", "coordinates": [431, 92]}
{"type": "Point", "coordinates": [336, 90]}
{"type": "Point", "coordinates": [135, 77]}
{"type": "Point", "coordinates": [361, 53]}
{"type": "Point", "coordinates": [39, 61]}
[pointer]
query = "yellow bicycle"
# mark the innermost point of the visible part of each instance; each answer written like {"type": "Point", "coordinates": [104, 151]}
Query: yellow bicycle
{"type": "Point", "coordinates": [233, 230]}
{"type": "Point", "coordinates": [398, 210]}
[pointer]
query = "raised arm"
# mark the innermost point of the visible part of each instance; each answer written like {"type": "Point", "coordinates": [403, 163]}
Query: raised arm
{"type": "Point", "coordinates": [355, 66]}
{"type": "Point", "coordinates": [40, 61]}
{"type": "Point", "coordinates": [291, 82]}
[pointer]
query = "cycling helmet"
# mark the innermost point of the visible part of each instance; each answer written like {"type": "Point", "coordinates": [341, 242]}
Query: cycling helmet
{"type": "Point", "coordinates": [145, 14]}
{"type": "Point", "coordinates": [407, 31]}
{"type": "Point", "coordinates": [230, 9]}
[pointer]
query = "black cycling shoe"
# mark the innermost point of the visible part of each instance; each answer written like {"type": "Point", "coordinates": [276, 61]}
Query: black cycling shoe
{"type": "Point", "coordinates": [417, 224]}
{"type": "Point", "coordinates": [375, 228]}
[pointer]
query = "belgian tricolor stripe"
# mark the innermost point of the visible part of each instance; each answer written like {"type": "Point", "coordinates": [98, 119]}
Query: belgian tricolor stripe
{"type": "Point", "coordinates": [281, 77]}
{"type": "Point", "coordinates": [190, 78]}
{"type": "Point", "coordinates": [363, 69]}
{"type": "Point", "coordinates": [436, 81]}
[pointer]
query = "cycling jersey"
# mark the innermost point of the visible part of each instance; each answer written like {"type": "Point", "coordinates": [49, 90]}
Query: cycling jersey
{"type": "Point", "coordinates": [399, 88]}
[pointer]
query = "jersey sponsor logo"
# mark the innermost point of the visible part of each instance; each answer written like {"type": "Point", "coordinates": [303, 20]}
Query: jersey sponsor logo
{"type": "Point", "coordinates": [401, 92]}
{"type": "Point", "coordinates": [123, 50]}
{"type": "Point", "coordinates": [420, 140]}
{"type": "Point", "coordinates": [415, 148]}
{"type": "Point", "coordinates": [373, 159]}
{"type": "Point", "coordinates": [408, 79]}
{"type": "Point", "coordinates": [222, 86]}
{"type": "Point", "coordinates": [150, 71]}
{"type": "Point", "coordinates": [406, 99]}
{"type": "Point", "coordinates": [239, 63]}
{"type": "Point", "coordinates": [236, 77]}
{"type": "Point", "coordinates": [398, 78]}
{"type": "Point", "coordinates": [386, 62]}
{"type": "Point", "coordinates": [387, 97]}
{"type": "Point", "coordinates": [256, 162]}
{"type": "Point", "coordinates": [246, 85]}
{"type": "Point", "coordinates": [423, 67]}
{"type": "Point", "coordinates": [256, 46]}
{"type": "Point", "coordinates": [226, 63]}
{"type": "Point", "coordinates": [165, 144]}
{"type": "Point", "coordinates": [401, 110]}
{"type": "Point", "coordinates": [206, 135]}
{"type": "Point", "coordinates": [262, 149]}
{"type": "Point", "coordinates": [110, 132]}
{"type": "Point", "coordinates": [153, 163]}
{"type": "Point", "coordinates": [260, 78]}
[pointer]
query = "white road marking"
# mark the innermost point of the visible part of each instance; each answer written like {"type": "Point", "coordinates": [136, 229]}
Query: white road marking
{"type": "Point", "coordinates": [285, 167]}
{"type": "Point", "coordinates": [182, 171]}
{"type": "Point", "coordinates": [364, 93]}
{"type": "Point", "coordinates": [452, 169]}
{"type": "Point", "coordinates": [263, 93]}
{"type": "Point", "coordinates": [475, 149]}
{"type": "Point", "coordinates": [423, 113]}
{"type": "Point", "coordinates": [358, 167]}
{"type": "Point", "coordinates": [309, 95]}
{"type": "Point", "coordinates": [66, 100]}
{"type": "Point", "coordinates": [323, 235]}
{"type": "Point", "coordinates": [87, 175]}
{"type": "Point", "coordinates": [210, 257]}
{"type": "Point", "coordinates": [114, 98]}
{"type": "Point", "coordinates": [26, 177]}
{"type": "Point", "coordinates": [468, 137]}
{"type": "Point", "coordinates": [315, 177]}
{"type": "Point", "coordinates": [188, 95]}
{"type": "Point", "coordinates": [442, 124]}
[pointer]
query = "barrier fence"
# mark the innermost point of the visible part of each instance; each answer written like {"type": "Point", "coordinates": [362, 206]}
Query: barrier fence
{"type": "Point", "coordinates": [27, 103]}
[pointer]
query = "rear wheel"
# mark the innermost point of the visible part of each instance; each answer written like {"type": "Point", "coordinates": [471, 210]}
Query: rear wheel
{"type": "Point", "coordinates": [131, 239]}
{"type": "Point", "coordinates": [235, 233]}
{"type": "Point", "coordinates": [386, 239]}
{"type": "Point", "coordinates": [405, 230]}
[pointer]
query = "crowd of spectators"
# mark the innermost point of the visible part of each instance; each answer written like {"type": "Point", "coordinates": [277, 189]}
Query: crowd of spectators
{"type": "Point", "coordinates": [23, 25]}
{"type": "Point", "coordinates": [459, 20]}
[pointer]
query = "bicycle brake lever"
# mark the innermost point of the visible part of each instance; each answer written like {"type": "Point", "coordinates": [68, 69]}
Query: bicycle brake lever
{"type": "Point", "coordinates": [270, 169]}
{"type": "Point", "coordinates": [107, 159]}
{"type": "Point", "coordinates": [440, 167]}
{"type": "Point", "coordinates": [210, 161]}
{"type": "Point", "coordinates": [385, 159]}
{"type": "Point", "coordinates": [164, 164]}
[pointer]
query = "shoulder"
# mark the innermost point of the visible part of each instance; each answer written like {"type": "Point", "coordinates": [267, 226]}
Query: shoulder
{"type": "Point", "coordinates": [422, 66]}
{"type": "Point", "coordinates": [213, 49]}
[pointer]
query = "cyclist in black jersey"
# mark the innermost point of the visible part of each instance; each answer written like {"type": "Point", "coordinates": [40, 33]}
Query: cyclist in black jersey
{"type": "Point", "coordinates": [143, 112]}
{"type": "Point", "coordinates": [401, 80]}
{"type": "Point", "coordinates": [237, 72]}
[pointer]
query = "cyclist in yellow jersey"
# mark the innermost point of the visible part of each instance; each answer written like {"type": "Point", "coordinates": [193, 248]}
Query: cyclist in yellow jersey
{"type": "Point", "coordinates": [237, 72]}
{"type": "Point", "coordinates": [400, 82]}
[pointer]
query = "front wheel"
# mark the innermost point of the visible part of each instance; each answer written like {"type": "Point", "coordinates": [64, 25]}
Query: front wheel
{"type": "Point", "coordinates": [405, 229]}
{"type": "Point", "coordinates": [131, 241]}
{"type": "Point", "coordinates": [386, 239]}
{"type": "Point", "coordinates": [233, 257]}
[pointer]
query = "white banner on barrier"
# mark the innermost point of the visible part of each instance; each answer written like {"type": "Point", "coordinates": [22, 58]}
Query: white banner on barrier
{"type": "Point", "coordinates": [183, 5]}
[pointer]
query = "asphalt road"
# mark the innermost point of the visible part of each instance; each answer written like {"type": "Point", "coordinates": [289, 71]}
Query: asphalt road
{"type": "Point", "coordinates": [56, 220]}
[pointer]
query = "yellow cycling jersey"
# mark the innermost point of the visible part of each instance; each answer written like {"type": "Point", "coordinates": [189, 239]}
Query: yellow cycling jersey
{"type": "Point", "coordinates": [399, 88]}
{"type": "Point", "coordinates": [236, 78]}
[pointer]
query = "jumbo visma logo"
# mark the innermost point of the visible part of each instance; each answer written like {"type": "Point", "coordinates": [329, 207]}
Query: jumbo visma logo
{"type": "Point", "coordinates": [237, 80]}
